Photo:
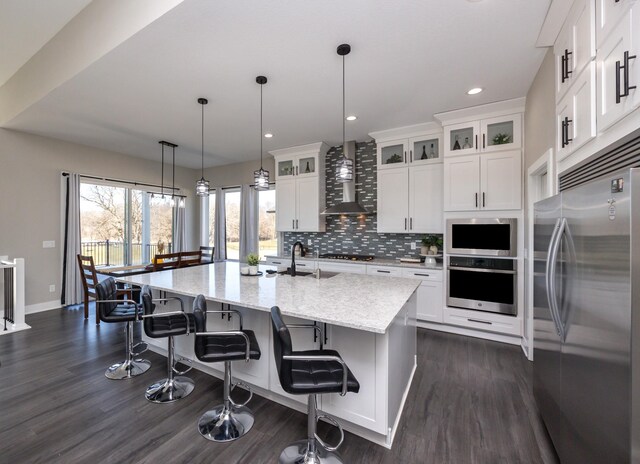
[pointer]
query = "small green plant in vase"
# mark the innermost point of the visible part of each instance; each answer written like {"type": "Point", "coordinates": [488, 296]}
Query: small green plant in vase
{"type": "Point", "coordinates": [431, 244]}
{"type": "Point", "coordinates": [501, 139]}
{"type": "Point", "coordinates": [253, 260]}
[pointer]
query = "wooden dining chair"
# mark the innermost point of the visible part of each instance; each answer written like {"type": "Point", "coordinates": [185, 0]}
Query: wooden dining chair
{"type": "Point", "coordinates": [207, 254]}
{"type": "Point", "coordinates": [189, 258]}
{"type": "Point", "coordinates": [166, 261]}
{"type": "Point", "coordinates": [89, 282]}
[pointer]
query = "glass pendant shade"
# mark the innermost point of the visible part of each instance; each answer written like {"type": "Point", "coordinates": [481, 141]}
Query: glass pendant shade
{"type": "Point", "coordinates": [202, 187]}
{"type": "Point", "coordinates": [261, 179]}
{"type": "Point", "coordinates": [344, 170]}
{"type": "Point", "coordinates": [181, 203]}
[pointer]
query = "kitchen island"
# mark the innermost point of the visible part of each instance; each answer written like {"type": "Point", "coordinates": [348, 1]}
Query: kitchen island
{"type": "Point", "coordinates": [370, 320]}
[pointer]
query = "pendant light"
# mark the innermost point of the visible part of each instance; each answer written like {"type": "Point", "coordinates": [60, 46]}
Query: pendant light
{"type": "Point", "coordinates": [202, 186]}
{"type": "Point", "coordinates": [261, 177]}
{"type": "Point", "coordinates": [344, 167]}
{"type": "Point", "coordinates": [161, 172]}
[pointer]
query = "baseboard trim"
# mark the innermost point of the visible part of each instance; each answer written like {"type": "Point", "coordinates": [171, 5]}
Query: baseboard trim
{"type": "Point", "coordinates": [40, 307]}
{"type": "Point", "coordinates": [510, 339]}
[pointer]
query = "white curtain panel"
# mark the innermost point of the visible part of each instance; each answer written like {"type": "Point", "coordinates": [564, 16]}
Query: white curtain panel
{"type": "Point", "coordinates": [220, 235]}
{"type": "Point", "coordinates": [180, 242]}
{"type": "Point", "coordinates": [72, 283]}
{"type": "Point", "coordinates": [248, 221]}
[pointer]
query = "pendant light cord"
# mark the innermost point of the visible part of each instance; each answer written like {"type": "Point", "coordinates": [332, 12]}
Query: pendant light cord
{"type": "Point", "coordinates": [261, 85]}
{"type": "Point", "coordinates": [202, 132]}
{"type": "Point", "coordinates": [343, 111]}
{"type": "Point", "coordinates": [173, 178]}
{"type": "Point", "coordinates": [162, 174]}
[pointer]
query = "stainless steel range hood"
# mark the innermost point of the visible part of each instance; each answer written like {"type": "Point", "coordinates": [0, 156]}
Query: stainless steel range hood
{"type": "Point", "coordinates": [349, 205]}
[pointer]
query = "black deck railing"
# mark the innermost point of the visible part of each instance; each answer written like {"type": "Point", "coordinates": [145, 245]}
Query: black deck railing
{"type": "Point", "coordinates": [8, 296]}
{"type": "Point", "coordinates": [112, 253]}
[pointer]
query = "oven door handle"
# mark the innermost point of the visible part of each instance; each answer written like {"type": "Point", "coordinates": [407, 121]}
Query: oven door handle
{"type": "Point", "coordinates": [475, 269]}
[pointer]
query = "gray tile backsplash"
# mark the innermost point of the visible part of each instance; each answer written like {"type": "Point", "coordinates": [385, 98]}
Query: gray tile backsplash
{"type": "Point", "coordinates": [351, 234]}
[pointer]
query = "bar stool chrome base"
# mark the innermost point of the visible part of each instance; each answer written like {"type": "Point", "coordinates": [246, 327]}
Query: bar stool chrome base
{"type": "Point", "coordinates": [225, 424]}
{"type": "Point", "coordinates": [127, 369]}
{"type": "Point", "coordinates": [169, 390]}
{"type": "Point", "coordinates": [298, 453]}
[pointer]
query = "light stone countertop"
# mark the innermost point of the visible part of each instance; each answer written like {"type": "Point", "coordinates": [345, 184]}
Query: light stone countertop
{"type": "Point", "coordinates": [375, 262]}
{"type": "Point", "coordinates": [362, 302]}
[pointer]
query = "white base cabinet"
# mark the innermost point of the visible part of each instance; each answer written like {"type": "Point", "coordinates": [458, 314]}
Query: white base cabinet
{"type": "Point", "coordinates": [430, 293]}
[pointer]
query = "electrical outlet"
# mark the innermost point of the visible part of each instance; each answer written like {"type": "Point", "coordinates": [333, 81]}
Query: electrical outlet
{"type": "Point", "coordinates": [52, 288]}
{"type": "Point", "coordinates": [413, 245]}
{"type": "Point", "coordinates": [49, 244]}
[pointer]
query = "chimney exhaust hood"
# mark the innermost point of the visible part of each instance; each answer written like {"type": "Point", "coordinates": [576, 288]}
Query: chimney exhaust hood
{"type": "Point", "coordinates": [349, 205]}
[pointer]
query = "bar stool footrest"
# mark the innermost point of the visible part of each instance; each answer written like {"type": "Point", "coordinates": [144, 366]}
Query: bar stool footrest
{"type": "Point", "coordinates": [244, 386]}
{"type": "Point", "coordinates": [335, 423]}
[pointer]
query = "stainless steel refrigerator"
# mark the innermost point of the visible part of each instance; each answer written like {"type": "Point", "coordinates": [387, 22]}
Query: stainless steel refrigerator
{"type": "Point", "coordinates": [587, 319]}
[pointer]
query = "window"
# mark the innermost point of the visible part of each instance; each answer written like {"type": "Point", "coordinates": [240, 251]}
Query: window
{"type": "Point", "coordinates": [232, 213]}
{"type": "Point", "coordinates": [212, 218]}
{"type": "Point", "coordinates": [267, 235]}
{"type": "Point", "coordinates": [121, 226]}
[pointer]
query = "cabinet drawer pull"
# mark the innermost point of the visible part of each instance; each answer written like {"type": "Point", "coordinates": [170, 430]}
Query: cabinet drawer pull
{"type": "Point", "coordinates": [383, 272]}
{"type": "Point", "coordinates": [301, 265]}
{"type": "Point", "coordinates": [480, 322]}
{"type": "Point", "coordinates": [421, 275]}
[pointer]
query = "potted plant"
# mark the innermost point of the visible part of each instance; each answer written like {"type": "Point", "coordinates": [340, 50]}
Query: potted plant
{"type": "Point", "coordinates": [431, 244]}
{"type": "Point", "coordinates": [253, 260]}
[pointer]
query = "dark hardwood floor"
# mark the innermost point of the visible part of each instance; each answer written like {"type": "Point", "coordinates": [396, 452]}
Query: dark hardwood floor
{"type": "Point", "coordinates": [470, 402]}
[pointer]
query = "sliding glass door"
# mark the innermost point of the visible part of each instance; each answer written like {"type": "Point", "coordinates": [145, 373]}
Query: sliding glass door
{"type": "Point", "coordinates": [121, 226]}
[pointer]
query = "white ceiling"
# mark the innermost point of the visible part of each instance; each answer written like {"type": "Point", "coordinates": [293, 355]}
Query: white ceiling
{"type": "Point", "coordinates": [409, 60]}
{"type": "Point", "coordinates": [26, 25]}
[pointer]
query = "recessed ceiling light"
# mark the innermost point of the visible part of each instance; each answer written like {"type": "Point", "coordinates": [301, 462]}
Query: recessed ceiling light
{"type": "Point", "coordinates": [474, 91]}
{"type": "Point", "coordinates": [268, 135]}
{"type": "Point", "coordinates": [352, 117]}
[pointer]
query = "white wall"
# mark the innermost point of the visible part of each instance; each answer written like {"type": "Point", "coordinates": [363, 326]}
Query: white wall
{"type": "Point", "coordinates": [30, 199]}
{"type": "Point", "coordinates": [239, 173]}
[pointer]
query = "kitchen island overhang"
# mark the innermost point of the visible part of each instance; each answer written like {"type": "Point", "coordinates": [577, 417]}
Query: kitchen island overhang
{"type": "Point", "coordinates": [370, 320]}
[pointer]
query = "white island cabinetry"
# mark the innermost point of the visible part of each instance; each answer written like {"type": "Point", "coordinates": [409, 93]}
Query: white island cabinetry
{"type": "Point", "coordinates": [371, 324]}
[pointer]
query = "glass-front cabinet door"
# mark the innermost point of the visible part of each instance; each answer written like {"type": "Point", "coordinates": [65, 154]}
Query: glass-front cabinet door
{"type": "Point", "coordinates": [392, 154]}
{"type": "Point", "coordinates": [462, 139]}
{"type": "Point", "coordinates": [286, 168]}
{"type": "Point", "coordinates": [502, 133]}
{"type": "Point", "coordinates": [306, 166]}
{"type": "Point", "coordinates": [425, 150]}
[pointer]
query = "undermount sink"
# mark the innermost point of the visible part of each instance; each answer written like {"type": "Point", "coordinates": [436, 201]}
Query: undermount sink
{"type": "Point", "coordinates": [323, 274]}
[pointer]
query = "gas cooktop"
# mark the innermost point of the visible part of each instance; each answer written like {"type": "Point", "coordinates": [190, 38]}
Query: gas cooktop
{"type": "Point", "coordinates": [347, 257]}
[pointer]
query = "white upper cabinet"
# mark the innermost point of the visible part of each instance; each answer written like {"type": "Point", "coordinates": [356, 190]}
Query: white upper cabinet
{"type": "Point", "coordinates": [608, 14]}
{"type": "Point", "coordinates": [618, 70]}
{"type": "Point", "coordinates": [410, 173]}
{"type": "Point", "coordinates": [484, 135]}
{"type": "Point", "coordinates": [409, 146]}
{"type": "Point", "coordinates": [487, 175]}
{"type": "Point", "coordinates": [576, 114]}
{"type": "Point", "coordinates": [575, 46]}
{"type": "Point", "coordinates": [300, 188]}
{"type": "Point", "coordinates": [491, 181]}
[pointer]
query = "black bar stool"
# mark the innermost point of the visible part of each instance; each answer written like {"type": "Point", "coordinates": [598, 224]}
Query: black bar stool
{"type": "Point", "coordinates": [310, 373]}
{"type": "Point", "coordinates": [167, 325]}
{"type": "Point", "coordinates": [230, 420]}
{"type": "Point", "coordinates": [111, 309]}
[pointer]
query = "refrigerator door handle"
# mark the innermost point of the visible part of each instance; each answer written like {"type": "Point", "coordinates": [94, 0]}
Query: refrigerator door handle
{"type": "Point", "coordinates": [554, 249]}
{"type": "Point", "coordinates": [547, 272]}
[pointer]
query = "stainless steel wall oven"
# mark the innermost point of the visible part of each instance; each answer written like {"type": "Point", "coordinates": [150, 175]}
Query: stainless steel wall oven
{"type": "Point", "coordinates": [482, 284]}
{"type": "Point", "coordinates": [482, 236]}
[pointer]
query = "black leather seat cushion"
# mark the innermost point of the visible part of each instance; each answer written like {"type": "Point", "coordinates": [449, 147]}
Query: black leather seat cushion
{"type": "Point", "coordinates": [168, 326]}
{"type": "Point", "coordinates": [319, 376]}
{"type": "Point", "coordinates": [113, 312]}
{"type": "Point", "coordinates": [218, 348]}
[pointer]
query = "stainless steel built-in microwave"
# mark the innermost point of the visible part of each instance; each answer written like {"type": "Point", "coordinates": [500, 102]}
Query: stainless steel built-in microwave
{"type": "Point", "coordinates": [482, 236]}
